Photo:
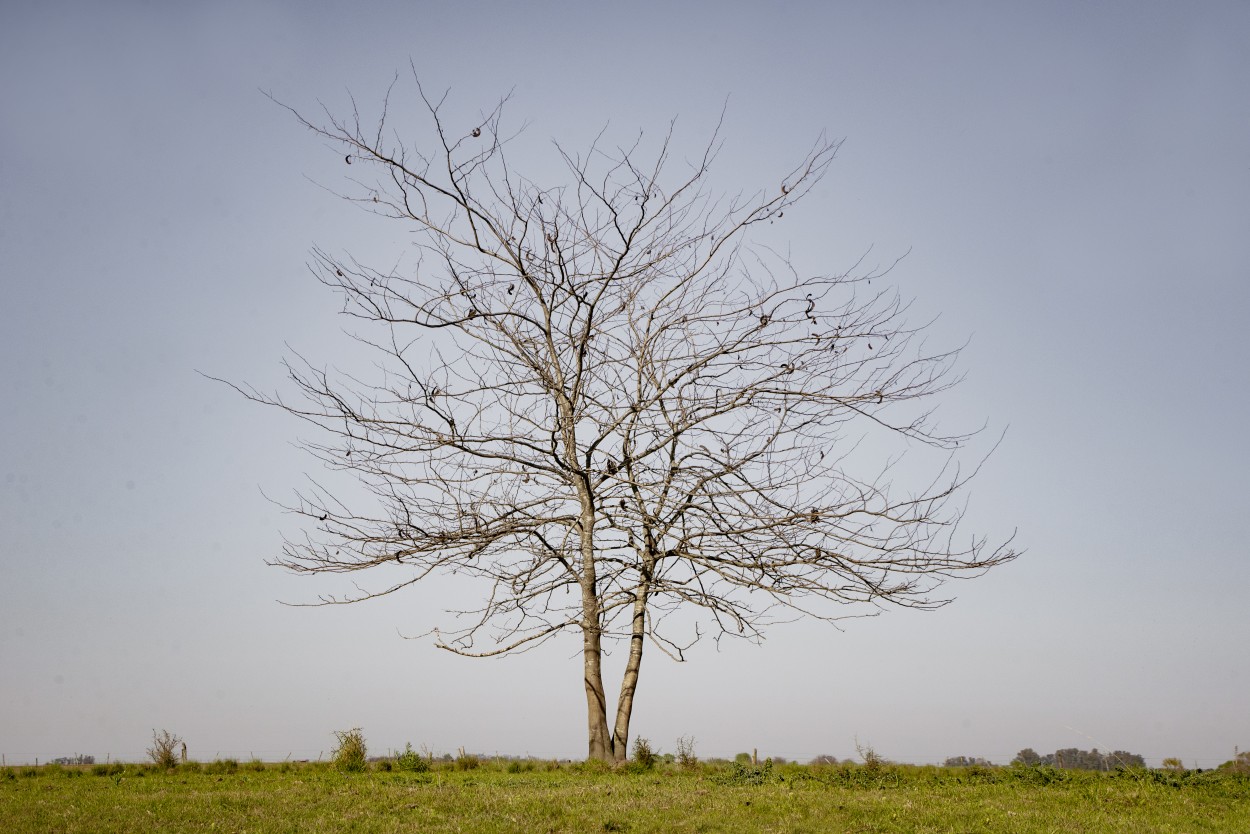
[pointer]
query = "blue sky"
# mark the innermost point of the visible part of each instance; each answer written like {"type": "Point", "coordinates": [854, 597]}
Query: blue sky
{"type": "Point", "coordinates": [1072, 181]}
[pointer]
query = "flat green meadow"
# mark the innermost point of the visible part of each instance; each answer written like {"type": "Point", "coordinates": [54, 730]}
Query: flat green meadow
{"type": "Point", "coordinates": [500, 797]}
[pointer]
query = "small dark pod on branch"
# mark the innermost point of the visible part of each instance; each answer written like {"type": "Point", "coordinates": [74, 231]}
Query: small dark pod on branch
{"type": "Point", "coordinates": [477, 131]}
{"type": "Point", "coordinates": [324, 517]}
{"type": "Point", "coordinates": [348, 159]}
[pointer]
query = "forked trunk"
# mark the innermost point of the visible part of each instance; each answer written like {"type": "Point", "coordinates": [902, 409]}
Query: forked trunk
{"type": "Point", "coordinates": [614, 746]}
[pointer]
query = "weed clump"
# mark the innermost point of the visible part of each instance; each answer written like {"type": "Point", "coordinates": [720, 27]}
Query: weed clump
{"type": "Point", "coordinates": [595, 766]}
{"type": "Point", "coordinates": [644, 756]}
{"type": "Point", "coordinates": [351, 755]}
{"type": "Point", "coordinates": [222, 767]}
{"type": "Point", "coordinates": [746, 774]}
{"type": "Point", "coordinates": [164, 749]}
{"type": "Point", "coordinates": [686, 759]}
{"type": "Point", "coordinates": [410, 761]}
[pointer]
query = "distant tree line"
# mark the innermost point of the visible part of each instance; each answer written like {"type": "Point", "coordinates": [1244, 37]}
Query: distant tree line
{"type": "Point", "coordinates": [1073, 759]}
{"type": "Point", "coordinates": [967, 761]}
{"type": "Point", "coordinates": [75, 760]}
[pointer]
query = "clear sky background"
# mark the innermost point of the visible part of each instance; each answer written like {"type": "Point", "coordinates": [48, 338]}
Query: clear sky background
{"type": "Point", "coordinates": [1073, 182]}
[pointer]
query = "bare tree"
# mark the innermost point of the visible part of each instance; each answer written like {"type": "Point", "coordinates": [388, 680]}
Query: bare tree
{"type": "Point", "coordinates": [602, 399]}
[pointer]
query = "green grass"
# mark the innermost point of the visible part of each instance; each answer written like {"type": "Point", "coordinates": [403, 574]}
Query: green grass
{"type": "Point", "coordinates": [722, 798]}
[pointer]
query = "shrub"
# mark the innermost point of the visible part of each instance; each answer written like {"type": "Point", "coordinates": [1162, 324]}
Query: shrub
{"type": "Point", "coordinates": [873, 762]}
{"type": "Point", "coordinates": [351, 755]}
{"type": "Point", "coordinates": [686, 759]}
{"type": "Point", "coordinates": [255, 765]}
{"type": "Point", "coordinates": [189, 766]}
{"type": "Point", "coordinates": [644, 756]}
{"type": "Point", "coordinates": [467, 761]}
{"type": "Point", "coordinates": [411, 761]}
{"type": "Point", "coordinates": [163, 751]}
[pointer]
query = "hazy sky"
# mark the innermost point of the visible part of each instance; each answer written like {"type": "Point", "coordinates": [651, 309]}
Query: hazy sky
{"type": "Point", "coordinates": [1073, 182]}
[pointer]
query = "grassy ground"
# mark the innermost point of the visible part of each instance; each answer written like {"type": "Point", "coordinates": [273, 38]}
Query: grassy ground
{"type": "Point", "coordinates": [582, 799]}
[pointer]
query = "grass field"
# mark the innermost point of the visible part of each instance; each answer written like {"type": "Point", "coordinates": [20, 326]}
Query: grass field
{"type": "Point", "coordinates": [709, 798]}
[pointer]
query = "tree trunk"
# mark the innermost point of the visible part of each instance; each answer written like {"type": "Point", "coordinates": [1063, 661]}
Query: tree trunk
{"type": "Point", "coordinates": [600, 742]}
{"type": "Point", "coordinates": [596, 702]}
{"type": "Point", "coordinates": [629, 682]}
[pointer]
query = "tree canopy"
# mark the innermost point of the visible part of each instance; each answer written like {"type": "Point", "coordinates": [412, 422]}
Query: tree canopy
{"type": "Point", "coordinates": [602, 399]}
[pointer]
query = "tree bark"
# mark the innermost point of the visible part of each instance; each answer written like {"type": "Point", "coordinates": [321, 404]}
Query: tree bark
{"type": "Point", "coordinates": [600, 742]}
{"type": "Point", "coordinates": [629, 682]}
